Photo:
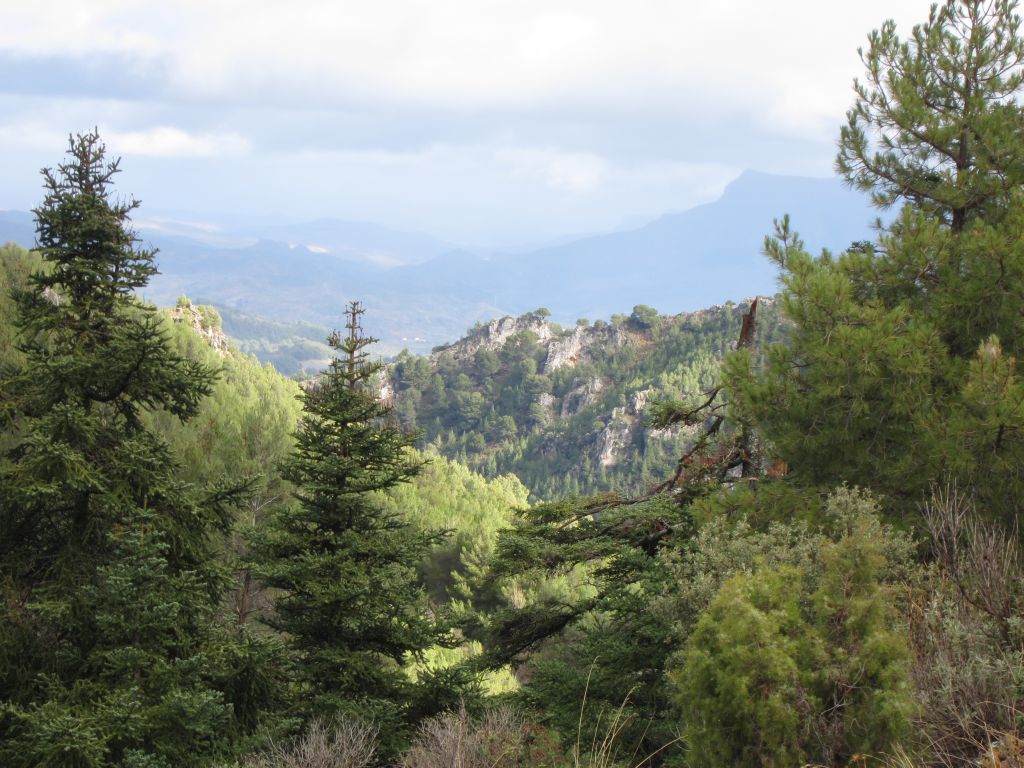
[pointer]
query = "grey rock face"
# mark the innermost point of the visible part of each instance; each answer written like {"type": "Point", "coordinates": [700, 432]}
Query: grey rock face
{"type": "Point", "coordinates": [547, 402]}
{"type": "Point", "coordinates": [494, 335]}
{"type": "Point", "coordinates": [579, 397]}
{"type": "Point", "coordinates": [614, 438]}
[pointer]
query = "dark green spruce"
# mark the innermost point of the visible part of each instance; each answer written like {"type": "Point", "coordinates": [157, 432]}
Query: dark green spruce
{"type": "Point", "coordinates": [109, 628]}
{"type": "Point", "coordinates": [350, 601]}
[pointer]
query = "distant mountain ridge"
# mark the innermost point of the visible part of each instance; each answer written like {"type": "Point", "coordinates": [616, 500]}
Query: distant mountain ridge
{"type": "Point", "coordinates": [420, 292]}
{"type": "Point", "coordinates": [17, 227]}
{"type": "Point", "coordinates": [360, 241]}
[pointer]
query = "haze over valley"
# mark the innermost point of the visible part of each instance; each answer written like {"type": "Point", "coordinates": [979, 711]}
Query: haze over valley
{"type": "Point", "coordinates": [422, 292]}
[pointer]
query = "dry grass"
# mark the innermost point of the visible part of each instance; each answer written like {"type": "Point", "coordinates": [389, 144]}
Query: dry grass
{"type": "Point", "coordinates": [964, 629]}
{"type": "Point", "coordinates": [341, 744]}
{"type": "Point", "coordinates": [502, 738]}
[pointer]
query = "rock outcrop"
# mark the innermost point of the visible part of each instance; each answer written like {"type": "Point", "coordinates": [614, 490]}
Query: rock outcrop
{"type": "Point", "coordinates": [547, 403]}
{"type": "Point", "coordinates": [564, 349]}
{"type": "Point", "coordinates": [205, 321]}
{"type": "Point", "coordinates": [572, 348]}
{"type": "Point", "coordinates": [494, 334]}
{"type": "Point", "coordinates": [614, 438]}
{"type": "Point", "coordinates": [580, 397]}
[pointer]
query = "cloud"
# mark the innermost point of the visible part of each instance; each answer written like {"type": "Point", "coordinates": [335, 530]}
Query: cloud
{"type": "Point", "coordinates": [778, 61]}
{"type": "Point", "coordinates": [32, 134]}
{"type": "Point", "coordinates": [516, 117]}
{"type": "Point", "coordinates": [166, 141]}
{"type": "Point", "coordinates": [566, 171]}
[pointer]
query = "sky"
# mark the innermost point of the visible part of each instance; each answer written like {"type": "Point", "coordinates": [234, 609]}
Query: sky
{"type": "Point", "coordinates": [500, 122]}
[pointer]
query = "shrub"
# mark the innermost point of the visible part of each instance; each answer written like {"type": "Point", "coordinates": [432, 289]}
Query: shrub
{"type": "Point", "coordinates": [791, 664]}
{"type": "Point", "coordinates": [967, 637]}
{"type": "Point", "coordinates": [343, 743]}
{"type": "Point", "coordinates": [502, 738]}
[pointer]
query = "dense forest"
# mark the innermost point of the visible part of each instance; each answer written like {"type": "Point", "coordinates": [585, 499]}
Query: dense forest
{"type": "Point", "coordinates": [776, 533]}
{"type": "Point", "coordinates": [567, 410]}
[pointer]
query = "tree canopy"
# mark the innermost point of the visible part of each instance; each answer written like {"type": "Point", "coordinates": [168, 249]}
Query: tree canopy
{"type": "Point", "coordinates": [900, 368]}
{"type": "Point", "coordinates": [111, 586]}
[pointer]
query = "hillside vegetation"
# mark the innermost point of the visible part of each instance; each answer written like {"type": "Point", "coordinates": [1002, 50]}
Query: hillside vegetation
{"type": "Point", "coordinates": [780, 533]}
{"type": "Point", "coordinates": [567, 410]}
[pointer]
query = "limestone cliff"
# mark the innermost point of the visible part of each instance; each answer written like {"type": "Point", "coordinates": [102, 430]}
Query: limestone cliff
{"type": "Point", "coordinates": [572, 348]}
{"type": "Point", "coordinates": [493, 335]}
{"type": "Point", "coordinates": [205, 321]}
{"type": "Point", "coordinates": [566, 409]}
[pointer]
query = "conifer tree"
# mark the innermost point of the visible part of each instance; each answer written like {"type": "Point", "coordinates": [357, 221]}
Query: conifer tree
{"type": "Point", "coordinates": [935, 122]}
{"type": "Point", "coordinates": [900, 368]}
{"type": "Point", "coordinates": [110, 589]}
{"type": "Point", "coordinates": [350, 602]}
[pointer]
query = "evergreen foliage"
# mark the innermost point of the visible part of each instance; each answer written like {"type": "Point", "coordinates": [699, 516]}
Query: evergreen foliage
{"type": "Point", "coordinates": [900, 369]}
{"type": "Point", "coordinates": [935, 122]}
{"type": "Point", "coordinates": [350, 602]}
{"type": "Point", "coordinates": [791, 665]}
{"type": "Point", "coordinates": [446, 495]}
{"type": "Point", "coordinates": [293, 348]}
{"type": "Point", "coordinates": [603, 643]}
{"type": "Point", "coordinates": [578, 428]}
{"type": "Point", "coordinates": [110, 590]}
{"type": "Point", "coordinates": [723, 594]}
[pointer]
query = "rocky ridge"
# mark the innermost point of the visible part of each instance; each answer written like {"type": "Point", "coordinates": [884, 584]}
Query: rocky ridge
{"type": "Point", "coordinates": [493, 335]}
{"type": "Point", "coordinates": [566, 408]}
{"type": "Point", "coordinates": [568, 349]}
{"type": "Point", "coordinates": [205, 321]}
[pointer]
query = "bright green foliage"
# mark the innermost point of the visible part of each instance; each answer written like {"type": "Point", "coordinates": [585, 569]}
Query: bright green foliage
{"type": "Point", "coordinates": [791, 665]}
{"type": "Point", "coordinates": [603, 642]}
{"type": "Point", "coordinates": [865, 681]}
{"type": "Point", "coordinates": [446, 495]}
{"type": "Point", "coordinates": [743, 683]}
{"type": "Point", "coordinates": [110, 589]}
{"type": "Point", "coordinates": [350, 601]}
{"type": "Point", "coordinates": [244, 428]}
{"type": "Point", "coordinates": [240, 434]}
{"type": "Point", "coordinates": [901, 366]}
{"type": "Point", "coordinates": [597, 639]}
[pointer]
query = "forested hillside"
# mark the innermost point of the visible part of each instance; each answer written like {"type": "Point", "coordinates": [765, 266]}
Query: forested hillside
{"type": "Point", "coordinates": [237, 440]}
{"type": "Point", "coordinates": [567, 410]}
{"type": "Point", "coordinates": [776, 533]}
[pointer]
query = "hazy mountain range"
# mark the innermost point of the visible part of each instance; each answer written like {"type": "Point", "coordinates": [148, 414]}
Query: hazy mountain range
{"type": "Point", "coordinates": [421, 291]}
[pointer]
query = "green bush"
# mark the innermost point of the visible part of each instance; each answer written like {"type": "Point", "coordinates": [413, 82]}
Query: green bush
{"type": "Point", "coordinates": [790, 665]}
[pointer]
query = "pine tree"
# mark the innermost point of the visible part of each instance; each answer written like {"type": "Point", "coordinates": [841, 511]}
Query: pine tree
{"type": "Point", "coordinates": [900, 367]}
{"type": "Point", "coordinates": [350, 601]}
{"type": "Point", "coordinates": [110, 590]}
{"type": "Point", "coordinates": [936, 122]}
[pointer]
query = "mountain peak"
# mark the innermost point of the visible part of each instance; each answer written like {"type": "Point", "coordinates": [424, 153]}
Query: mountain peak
{"type": "Point", "coordinates": [760, 182]}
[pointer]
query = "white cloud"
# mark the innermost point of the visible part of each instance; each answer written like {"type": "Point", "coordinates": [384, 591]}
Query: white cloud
{"type": "Point", "coordinates": [785, 61]}
{"type": "Point", "coordinates": [382, 157]}
{"type": "Point", "coordinates": [566, 171]}
{"type": "Point", "coordinates": [32, 134]}
{"type": "Point", "coordinates": [69, 27]}
{"type": "Point", "coordinates": [472, 116]}
{"type": "Point", "coordinates": [167, 141]}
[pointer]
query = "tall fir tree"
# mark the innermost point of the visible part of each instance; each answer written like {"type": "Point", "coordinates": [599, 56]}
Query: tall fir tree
{"type": "Point", "coordinates": [900, 369]}
{"type": "Point", "coordinates": [110, 591]}
{"type": "Point", "coordinates": [351, 602]}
